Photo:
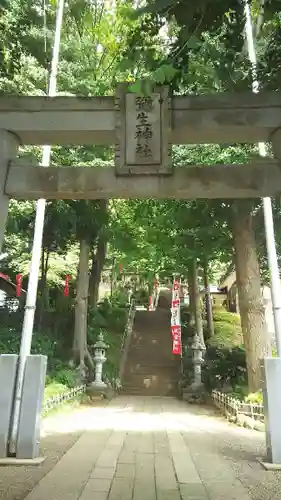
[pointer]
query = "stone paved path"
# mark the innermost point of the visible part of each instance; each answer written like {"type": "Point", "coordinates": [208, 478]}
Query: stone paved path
{"type": "Point", "coordinates": [156, 449]}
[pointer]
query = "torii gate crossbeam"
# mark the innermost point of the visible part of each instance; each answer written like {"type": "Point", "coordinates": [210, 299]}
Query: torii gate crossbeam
{"type": "Point", "coordinates": [218, 118]}
{"type": "Point", "coordinates": [253, 180]}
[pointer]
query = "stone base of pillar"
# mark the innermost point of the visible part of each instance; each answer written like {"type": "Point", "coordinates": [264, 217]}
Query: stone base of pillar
{"type": "Point", "coordinates": [8, 369]}
{"type": "Point", "coordinates": [194, 394]}
{"type": "Point", "coordinates": [97, 391]}
{"type": "Point", "coordinates": [98, 385]}
{"type": "Point", "coordinates": [28, 443]}
{"type": "Point", "coordinates": [271, 371]}
{"type": "Point", "coordinates": [26, 447]}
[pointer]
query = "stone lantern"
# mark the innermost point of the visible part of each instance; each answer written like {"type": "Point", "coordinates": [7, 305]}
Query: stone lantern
{"type": "Point", "coordinates": [198, 348]}
{"type": "Point", "coordinates": [100, 348]}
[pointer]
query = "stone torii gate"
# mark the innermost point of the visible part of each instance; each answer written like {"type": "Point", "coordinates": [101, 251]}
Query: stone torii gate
{"type": "Point", "coordinates": [143, 130]}
{"type": "Point", "coordinates": [143, 135]}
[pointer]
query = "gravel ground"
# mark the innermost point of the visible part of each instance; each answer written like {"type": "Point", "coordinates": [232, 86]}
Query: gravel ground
{"type": "Point", "coordinates": [241, 448]}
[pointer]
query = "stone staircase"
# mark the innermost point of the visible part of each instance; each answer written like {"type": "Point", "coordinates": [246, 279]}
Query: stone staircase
{"type": "Point", "coordinates": [151, 368]}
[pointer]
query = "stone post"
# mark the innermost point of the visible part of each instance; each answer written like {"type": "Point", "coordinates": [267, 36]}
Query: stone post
{"type": "Point", "coordinates": [9, 144]}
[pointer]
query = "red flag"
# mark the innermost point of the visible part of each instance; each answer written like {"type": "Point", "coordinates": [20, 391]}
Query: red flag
{"type": "Point", "coordinates": [66, 286]}
{"type": "Point", "coordinates": [150, 307]}
{"type": "Point", "coordinates": [18, 284]}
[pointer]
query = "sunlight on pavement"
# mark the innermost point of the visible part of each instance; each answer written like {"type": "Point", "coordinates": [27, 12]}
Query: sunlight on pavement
{"type": "Point", "coordinates": [136, 418]}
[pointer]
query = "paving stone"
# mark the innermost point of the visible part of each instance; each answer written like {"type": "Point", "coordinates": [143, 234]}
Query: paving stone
{"type": "Point", "coordinates": [145, 489]}
{"type": "Point", "coordinates": [168, 495]}
{"type": "Point", "coordinates": [186, 471]}
{"type": "Point", "coordinates": [107, 459]}
{"type": "Point", "coordinates": [68, 478]}
{"type": "Point", "coordinates": [98, 485]}
{"type": "Point", "coordinates": [125, 470]}
{"type": "Point", "coordinates": [145, 444]}
{"type": "Point", "coordinates": [193, 491]}
{"type": "Point", "coordinates": [131, 442]}
{"type": "Point", "coordinates": [165, 474]}
{"type": "Point", "coordinates": [145, 465]}
{"type": "Point", "coordinates": [121, 489]}
{"type": "Point", "coordinates": [176, 442]}
{"type": "Point", "coordinates": [116, 440]}
{"type": "Point", "coordinates": [103, 473]}
{"type": "Point", "coordinates": [90, 495]}
{"type": "Point", "coordinates": [126, 457]}
{"type": "Point", "coordinates": [185, 468]}
{"type": "Point", "coordinates": [161, 443]}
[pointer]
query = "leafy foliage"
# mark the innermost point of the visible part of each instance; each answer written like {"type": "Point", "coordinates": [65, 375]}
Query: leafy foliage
{"type": "Point", "coordinates": [225, 368]}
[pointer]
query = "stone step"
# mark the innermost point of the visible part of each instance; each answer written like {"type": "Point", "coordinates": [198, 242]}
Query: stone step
{"type": "Point", "coordinates": [151, 339]}
{"type": "Point", "coordinates": [153, 352]}
{"type": "Point", "coordinates": [165, 376]}
{"type": "Point", "coordinates": [144, 367]}
{"type": "Point", "coordinates": [155, 378]}
{"type": "Point", "coordinates": [160, 392]}
{"type": "Point", "coordinates": [151, 355]}
{"type": "Point", "coordinates": [149, 382]}
{"type": "Point", "coordinates": [152, 334]}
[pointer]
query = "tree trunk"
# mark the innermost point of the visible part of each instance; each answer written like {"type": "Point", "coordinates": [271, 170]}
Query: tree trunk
{"type": "Point", "coordinates": [208, 301]}
{"type": "Point", "coordinates": [81, 306]}
{"type": "Point", "coordinates": [191, 294]}
{"type": "Point", "coordinates": [195, 304]}
{"type": "Point", "coordinates": [44, 301]}
{"type": "Point", "coordinates": [96, 270]}
{"type": "Point", "coordinates": [256, 339]}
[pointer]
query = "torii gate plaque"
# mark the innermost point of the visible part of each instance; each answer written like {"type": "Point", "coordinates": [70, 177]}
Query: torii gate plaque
{"type": "Point", "coordinates": [143, 127]}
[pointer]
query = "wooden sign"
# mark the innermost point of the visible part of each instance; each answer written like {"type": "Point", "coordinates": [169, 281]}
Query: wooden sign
{"type": "Point", "coordinates": [143, 125]}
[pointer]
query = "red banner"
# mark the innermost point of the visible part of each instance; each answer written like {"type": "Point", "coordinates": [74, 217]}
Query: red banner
{"type": "Point", "coordinates": [176, 331]}
{"type": "Point", "coordinates": [175, 318]}
{"type": "Point", "coordinates": [66, 286]}
{"type": "Point", "coordinates": [176, 285]}
{"type": "Point", "coordinates": [18, 284]}
{"type": "Point", "coordinates": [176, 347]}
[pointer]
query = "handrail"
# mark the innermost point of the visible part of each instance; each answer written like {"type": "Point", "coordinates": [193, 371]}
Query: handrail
{"type": "Point", "coordinates": [127, 337]}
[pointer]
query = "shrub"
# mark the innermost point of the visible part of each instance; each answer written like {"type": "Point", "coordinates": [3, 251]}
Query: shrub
{"type": "Point", "coordinates": [222, 315]}
{"type": "Point", "coordinates": [42, 343]}
{"type": "Point", "coordinates": [254, 397]}
{"type": "Point", "coordinates": [54, 389]}
{"type": "Point", "coordinates": [227, 329]}
{"type": "Point", "coordinates": [66, 377]}
{"type": "Point", "coordinates": [224, 368]}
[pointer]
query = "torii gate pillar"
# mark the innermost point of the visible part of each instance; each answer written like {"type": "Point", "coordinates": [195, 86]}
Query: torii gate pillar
{"type": "Point", "coordinates": [9, 144]}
